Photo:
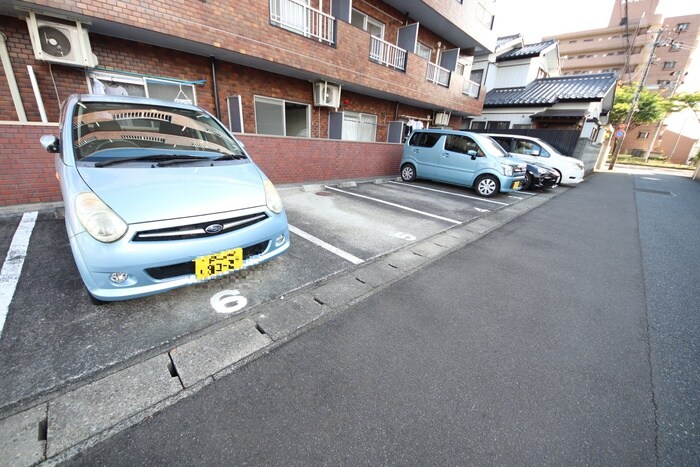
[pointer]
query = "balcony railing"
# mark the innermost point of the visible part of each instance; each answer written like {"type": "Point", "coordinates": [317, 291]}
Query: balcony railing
{"type": "Point", "coordinates": [438, 75]}
{"type": "Point", "coordinates": [302, 19]}
{"type": "Point", "coordinates": [471, 89]}
{"type": "Point", "coordinates": [387, 54]}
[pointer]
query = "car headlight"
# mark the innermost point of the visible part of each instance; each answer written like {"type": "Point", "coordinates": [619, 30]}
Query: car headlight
{"type": "Point", "coordinates": [507, 170]}
{"type": "Point", "coordinates": [274, 202]}
{"type": "Point", "coordinates": [98, 219]}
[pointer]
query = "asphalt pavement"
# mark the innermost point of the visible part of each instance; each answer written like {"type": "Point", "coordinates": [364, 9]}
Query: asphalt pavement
{"type": "Point", "coordinates": [567, 336]}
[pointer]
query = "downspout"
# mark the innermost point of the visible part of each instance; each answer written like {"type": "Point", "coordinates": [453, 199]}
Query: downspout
{"type": "Point", "coordinates": [212, 60]}
{"type": "Point", "coordinates": [11, 81]}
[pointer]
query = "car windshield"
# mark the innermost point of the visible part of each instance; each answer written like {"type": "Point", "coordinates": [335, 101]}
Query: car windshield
{"type": "Point", "coordinates": [100, 127]}
{"type": "Point", "coordinates": [491, 146]}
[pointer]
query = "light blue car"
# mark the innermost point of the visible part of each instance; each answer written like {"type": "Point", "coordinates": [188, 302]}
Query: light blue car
{"type": "Point", "coordinates": [159, 195]}
{"type": "Point", "coordinates": [461, 158]}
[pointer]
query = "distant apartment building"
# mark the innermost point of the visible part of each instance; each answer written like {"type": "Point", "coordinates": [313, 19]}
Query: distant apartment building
{"type": "Point", "coordinates": [289, 77]}
{"type": "Point", "coordinates": [625, 47]}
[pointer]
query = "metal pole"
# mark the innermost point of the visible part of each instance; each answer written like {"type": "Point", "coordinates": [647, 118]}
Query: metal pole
{"type": "Point", "coordinates": [635, 100]}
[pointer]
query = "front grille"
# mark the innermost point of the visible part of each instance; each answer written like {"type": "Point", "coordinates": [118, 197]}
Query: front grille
{"type": "Point", "coordinates": [184, 269]}
{"type": "Point", "coordinates": [186, 232]}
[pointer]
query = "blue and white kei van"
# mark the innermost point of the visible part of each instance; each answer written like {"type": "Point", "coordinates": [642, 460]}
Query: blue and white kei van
{"type": "Point", "coordinates": [461, 158]}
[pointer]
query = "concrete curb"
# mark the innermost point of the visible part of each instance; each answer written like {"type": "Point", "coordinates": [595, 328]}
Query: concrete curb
{"type": "Point", "coordinates": [55, 431]}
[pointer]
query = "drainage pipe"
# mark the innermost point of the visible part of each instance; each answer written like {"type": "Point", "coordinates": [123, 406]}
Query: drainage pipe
{"type": "Point", "coordinates": [212, 60]}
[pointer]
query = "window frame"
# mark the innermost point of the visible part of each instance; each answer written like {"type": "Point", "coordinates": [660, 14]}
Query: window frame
{"type": "Point", "coordinates": [137, 80]}
{"type": "Point", "coordinates": [366, 19]}
{"type": "Point", "coordinates": [425, 49]}
{"type": "Point", "coordinates": [360, 116]}
{"type": "Point", "coordinates": [283, 103]}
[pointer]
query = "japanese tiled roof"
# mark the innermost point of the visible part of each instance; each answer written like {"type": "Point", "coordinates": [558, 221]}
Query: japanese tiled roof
{"type": "Point", "coordinates": [549, 91]}
{"type": "Point", "coordinates": [526, 51]}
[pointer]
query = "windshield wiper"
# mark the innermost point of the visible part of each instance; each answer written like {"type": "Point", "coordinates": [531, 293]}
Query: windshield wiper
{"type": "Point", "coordinates": [159, 158]}
{"type": "Point", "coordinates": [231, 157]}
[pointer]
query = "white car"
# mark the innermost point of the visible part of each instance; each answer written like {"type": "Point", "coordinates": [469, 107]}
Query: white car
{"type": "Point", "coordinates": [536, 151]}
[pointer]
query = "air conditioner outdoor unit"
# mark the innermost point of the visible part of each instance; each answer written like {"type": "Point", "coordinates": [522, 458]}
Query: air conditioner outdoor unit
{"type": "Point", "coordinates": [58, 42]}
{"type": "Point", "coordinates": [326, 94]}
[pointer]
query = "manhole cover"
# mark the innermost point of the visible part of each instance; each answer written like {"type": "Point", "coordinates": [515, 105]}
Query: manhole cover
{"type": "Point", "coordinates": [323, 193]}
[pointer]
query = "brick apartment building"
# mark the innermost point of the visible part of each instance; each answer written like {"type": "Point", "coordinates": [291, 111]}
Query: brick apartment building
{"type": "Point", "coordinates": [317, 90]}
{"type": "Point", "coordinates": [625, 47]}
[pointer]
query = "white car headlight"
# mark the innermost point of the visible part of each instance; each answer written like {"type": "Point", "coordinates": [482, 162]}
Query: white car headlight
{"type": "Point", "coordinates": [274, 202]}
{"type": "Point", "coordinates": [98, 219]}
{"type": "Point", "coordinates": [507, 170]}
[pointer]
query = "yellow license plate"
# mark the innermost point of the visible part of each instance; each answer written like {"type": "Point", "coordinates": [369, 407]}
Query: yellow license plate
{"type": "Point", "coordinates": [516, 184]}
{"type": "Point", "coordinates": [218, 263]}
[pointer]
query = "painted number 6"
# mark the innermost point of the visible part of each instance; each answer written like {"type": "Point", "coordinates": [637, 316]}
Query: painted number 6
{"type": "Point", "coordinates": [228, 301]}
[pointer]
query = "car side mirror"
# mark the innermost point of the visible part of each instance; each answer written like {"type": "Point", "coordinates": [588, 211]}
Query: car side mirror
{"type": "Point", "coordinates": [473, 154]}
{"type": "Point", "coordinates": [50, 143]}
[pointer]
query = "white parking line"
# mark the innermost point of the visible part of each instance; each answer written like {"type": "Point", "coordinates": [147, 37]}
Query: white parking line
{"type": "Point", "coordinates": [343, 254]}
{"type": "Point", "coordinates": [12, 267]}
{"type": "Point", "coordinates": [395, 205]}
{"type": "Point", "coordinates": [450, 193]}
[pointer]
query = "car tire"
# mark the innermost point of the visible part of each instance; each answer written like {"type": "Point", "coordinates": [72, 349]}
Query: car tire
{"type": "Point", "coordinates": [408, 173]}
{"type": "Point", "coordinates": [487, 186]}
{"type": "Point", "coordinates": [527, 183]}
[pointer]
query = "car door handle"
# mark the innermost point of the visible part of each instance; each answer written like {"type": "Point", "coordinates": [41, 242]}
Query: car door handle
{"type": "Point", "coordinates": [445, 154]}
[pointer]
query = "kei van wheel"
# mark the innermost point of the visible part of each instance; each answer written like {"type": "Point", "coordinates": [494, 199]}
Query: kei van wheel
{"type": "Point", "coordinates": [408, 173]}
{"type": "Point", "coordinates": [527, 183]}
{"type": "Point", "coordinates": [487, 186]}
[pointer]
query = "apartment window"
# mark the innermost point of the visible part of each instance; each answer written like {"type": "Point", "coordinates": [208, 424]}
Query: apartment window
{"type": "Point", "coordinates": [281, 118]}
{"type": "Point", "coordinates": [669, 65]}
{"type": "Point", "coordinates": [682, 27]}
{"type": "Point", "coordinates": [573, 41]}
{"type": "Point", "coordinates": [142, 86]}
{"type": "Point", "coordinates": [675, 46]}
{"type": "Point", "coordinates": [663, 83]}
{"type": "Point", "coordinates": [359, 126]}
{"type": "Point", "coordinates": [588, 40]}
{"type": "Point", "coordinates": [523, 126]}
{"type": "Point", "coordinates": [483, 15]}
{"type": "Point", "coordinates": [478, 126]}
{"type": "Point", "coordinates": [367, 23]}
{"type": "Point", "coordinates": [643, 135]}
{"type": "Point", "coordinates": [424, 51]}
{"type": "Point", "coordinates": [477, 76]}
{"type": "Point", "coordinates": [497, 125]}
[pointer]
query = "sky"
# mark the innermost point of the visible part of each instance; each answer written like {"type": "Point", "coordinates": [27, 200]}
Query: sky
{"type": "Point", "coordinates": [541, 18]}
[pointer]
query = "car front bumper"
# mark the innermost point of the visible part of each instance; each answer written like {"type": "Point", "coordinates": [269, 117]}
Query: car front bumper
{"type": "Point", "coordinates": [157, 266]}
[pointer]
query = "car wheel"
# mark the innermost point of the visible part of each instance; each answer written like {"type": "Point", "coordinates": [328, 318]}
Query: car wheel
{"type": "Point", "coordinates": [527, 183]}
{"type": "Point", "coordinates": [408, 173]}
{"type": "Point", "coordinates": [487, 186]}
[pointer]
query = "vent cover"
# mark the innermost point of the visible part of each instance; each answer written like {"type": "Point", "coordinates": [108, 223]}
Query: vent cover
{"type": "Point", "coordinates": [56, 42]}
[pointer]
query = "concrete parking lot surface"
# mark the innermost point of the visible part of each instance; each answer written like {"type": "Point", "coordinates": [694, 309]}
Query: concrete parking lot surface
{"type": "Point", "coordinates": [54, 340]}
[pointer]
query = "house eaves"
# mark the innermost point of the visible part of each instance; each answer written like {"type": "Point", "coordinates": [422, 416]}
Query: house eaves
{"type": "Point", "coordinates": [527, 51]}
{"type": "Point", "coordinates": [550, 91]}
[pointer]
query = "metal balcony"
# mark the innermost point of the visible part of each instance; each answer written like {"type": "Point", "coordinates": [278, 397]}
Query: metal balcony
{"type": "Point", "coordinates": [303, 20]}
{"type": "Point", "coordinates": [387, 54]}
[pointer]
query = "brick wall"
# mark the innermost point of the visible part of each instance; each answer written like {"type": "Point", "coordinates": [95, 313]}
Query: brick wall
{"type": "Point", "coordinates": [297, 160]}
{"type": "Point", "coordinates": [28, 174]}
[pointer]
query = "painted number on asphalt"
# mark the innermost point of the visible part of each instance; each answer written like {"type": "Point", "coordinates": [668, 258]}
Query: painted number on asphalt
{"type": "Point", "coordinates": [405, 236]}
{"type": "Point", "coordinates": [228, 301]}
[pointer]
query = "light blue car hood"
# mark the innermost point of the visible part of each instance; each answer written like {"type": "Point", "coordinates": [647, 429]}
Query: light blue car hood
{"type": "Point", "coordinates": [151, 194]}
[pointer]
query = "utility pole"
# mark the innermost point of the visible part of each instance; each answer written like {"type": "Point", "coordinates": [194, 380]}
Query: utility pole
{"type": "Point", "coordinates": [635, 99]}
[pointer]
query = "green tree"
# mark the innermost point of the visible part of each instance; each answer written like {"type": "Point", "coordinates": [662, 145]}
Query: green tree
{"type": "Point", "coordinates": [688, 100]}
{"type": "Point", "coordinates": [651, 106]}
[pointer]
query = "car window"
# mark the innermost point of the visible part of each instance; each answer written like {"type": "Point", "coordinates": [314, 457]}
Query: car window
{"type": "Point", "coordinates": [99, 126]}
{"type": "Point", "coordinates": [424, 140]}
{"type": "Point", "coordinates": [523, 146]}
{"type": "Point", "coordinates": [505, 143]}
{"type": "Point", "coordinates": [462, 144]}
